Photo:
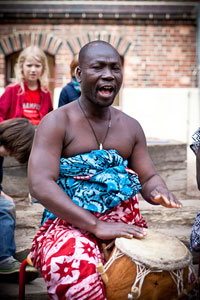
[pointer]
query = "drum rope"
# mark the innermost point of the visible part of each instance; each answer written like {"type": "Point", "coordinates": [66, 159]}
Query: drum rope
{"type": "Point", "coordinates": [141, 273]}
{"type": "Point", "coordinates": [116, 254]}
{"type": "Point", "coordinates": [177, 276]}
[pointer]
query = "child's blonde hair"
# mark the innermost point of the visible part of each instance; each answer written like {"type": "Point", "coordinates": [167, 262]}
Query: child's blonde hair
{"type": "Point", "coordinates": [40, 56]}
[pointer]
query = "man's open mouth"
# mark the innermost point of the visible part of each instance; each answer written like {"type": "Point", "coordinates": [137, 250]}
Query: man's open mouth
{"type": "Point", "coordinates": [106, 90]}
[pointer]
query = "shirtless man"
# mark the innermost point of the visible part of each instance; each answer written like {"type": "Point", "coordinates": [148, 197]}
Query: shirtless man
{"type": "Point", "coordinates": [87, 124]}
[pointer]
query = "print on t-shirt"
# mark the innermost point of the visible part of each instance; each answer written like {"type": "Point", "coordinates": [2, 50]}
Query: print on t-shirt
{"type": "Point", "coordinates": [31, 106]}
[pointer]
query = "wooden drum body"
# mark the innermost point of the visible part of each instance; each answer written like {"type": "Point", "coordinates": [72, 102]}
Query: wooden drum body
{"type": "Point", "coordinates": [157, 267]}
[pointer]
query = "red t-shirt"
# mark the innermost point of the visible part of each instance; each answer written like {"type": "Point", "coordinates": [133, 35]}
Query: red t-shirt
{"type": "Point", "coordinates": [31, 106]}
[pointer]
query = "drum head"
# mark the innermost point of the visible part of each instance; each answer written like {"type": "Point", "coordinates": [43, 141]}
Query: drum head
{"type": "Point", "coordinates": [157, 251]}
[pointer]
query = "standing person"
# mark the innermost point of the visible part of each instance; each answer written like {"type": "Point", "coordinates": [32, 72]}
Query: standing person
{"type": "Point", "coordinates": [72, 90]}
{"type": "Point", "coordinates": [29, 96]}
{"type": "Point", "coordinates": [16, 137]}
{"type": "Point", "coordinates": [195, 234]}
{"type": "Point", "coordinates": [80, 169]}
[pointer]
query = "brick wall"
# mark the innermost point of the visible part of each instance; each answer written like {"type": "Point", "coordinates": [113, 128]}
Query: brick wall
{"type": "Point", "coordinates": [161, 55]}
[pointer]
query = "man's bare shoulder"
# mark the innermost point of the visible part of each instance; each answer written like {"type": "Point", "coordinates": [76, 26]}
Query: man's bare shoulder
{"type": "Point", "coordinates": [58, 117]}
{"type": "Point", "coordinates": [120, 115]}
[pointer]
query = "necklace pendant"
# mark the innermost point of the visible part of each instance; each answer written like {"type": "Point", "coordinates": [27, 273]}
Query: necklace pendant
{"type": "Point", "coordinates": [100, 146]}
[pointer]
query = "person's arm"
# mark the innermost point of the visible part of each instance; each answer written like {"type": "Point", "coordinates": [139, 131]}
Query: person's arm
{"type": "Point", "coordinates": [46, 103]}
{"type": "Point", "coordinates": [154, 189]}
{"type": "Point", "coordinates": [5, 101]}
{"type": "Point", "coordinates": [43, 172]}
{"type": "Point", "coordinates": [49, 101]}
{"type": "Point", "coordinates": [198, 168]}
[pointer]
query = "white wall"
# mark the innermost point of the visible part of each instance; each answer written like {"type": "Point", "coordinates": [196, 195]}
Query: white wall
{"type": "Point", "coordinates": [171, 113]}
{"type": "Point", "coordinates": [167, 114]}
{"type": "Point", "coordinates": [56, 97]}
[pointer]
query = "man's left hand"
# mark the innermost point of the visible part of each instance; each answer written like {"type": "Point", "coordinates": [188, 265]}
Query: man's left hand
{"type": "Point", "coordinates": [165, 198]}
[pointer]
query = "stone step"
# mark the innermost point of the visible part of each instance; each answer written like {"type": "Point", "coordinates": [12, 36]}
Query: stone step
{"type": "Point", "coordinates": [35, 290]}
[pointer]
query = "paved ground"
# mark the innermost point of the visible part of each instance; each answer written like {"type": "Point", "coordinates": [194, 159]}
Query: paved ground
{"type": "Point", "coordinates": [170, 221]}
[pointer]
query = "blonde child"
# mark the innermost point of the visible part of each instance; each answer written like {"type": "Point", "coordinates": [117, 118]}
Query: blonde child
{"type": "Point", "coordinates": [28, 97]}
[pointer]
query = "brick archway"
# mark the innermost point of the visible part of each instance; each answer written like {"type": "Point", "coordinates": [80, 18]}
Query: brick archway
{"type": "Point", "coordinates": [120, 43]}
{"type": "Point", "coordinates": [51, 44]}
{"type": "Point", "coordinates": [16, 42]}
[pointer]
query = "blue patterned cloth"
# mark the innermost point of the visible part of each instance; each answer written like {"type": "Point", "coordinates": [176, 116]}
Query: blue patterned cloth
{"type": "Point", "coordinates": [195, 234]}
{"type": "Point", "coordinates": [196, 141]}
{"type": "Point", "coordinates": [104, 181]}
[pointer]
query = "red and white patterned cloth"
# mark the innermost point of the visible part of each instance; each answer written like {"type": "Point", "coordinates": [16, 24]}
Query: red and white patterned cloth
{"type": "Point", "coordinates": [67, 256]}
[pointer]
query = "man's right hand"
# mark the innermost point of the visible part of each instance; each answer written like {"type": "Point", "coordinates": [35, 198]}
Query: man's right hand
{"type": "Point", "coordinates": [108, 231]}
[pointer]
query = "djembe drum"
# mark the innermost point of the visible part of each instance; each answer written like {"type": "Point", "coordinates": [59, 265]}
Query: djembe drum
{"type": "Point", "coordinates": [157, 267]}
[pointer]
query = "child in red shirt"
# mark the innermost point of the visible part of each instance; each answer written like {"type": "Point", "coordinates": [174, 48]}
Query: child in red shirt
{"type": "Point", "coordinates": [29, 96]}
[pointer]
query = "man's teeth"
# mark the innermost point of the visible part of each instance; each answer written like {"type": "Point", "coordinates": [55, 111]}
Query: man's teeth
{"type": "Point", "coordinates": [107, 88]}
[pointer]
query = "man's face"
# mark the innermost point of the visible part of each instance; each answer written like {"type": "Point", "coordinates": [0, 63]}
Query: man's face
{"type": "Point", "coordinates": [100, 74]}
